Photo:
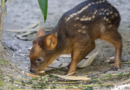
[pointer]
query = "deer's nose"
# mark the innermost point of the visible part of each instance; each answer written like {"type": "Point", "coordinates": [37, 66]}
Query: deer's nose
{"type": "Point", "coordinates": [32, 70]}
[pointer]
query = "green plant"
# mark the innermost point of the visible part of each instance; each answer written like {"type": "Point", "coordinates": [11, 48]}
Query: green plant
{"type": "Point", "coordinates": [2, 61]}
{"type": "Point", "coordinates": [120, 75]}
{"type": "Point", "coordinates": [1, 83]}
{"type": "Point", "coordinates": [23, 83]}
{"type": "Point", "coordinates": [44, 7]}
{"type": "Point", "coordinates": [93, 80]}
{"type": "Point", "coordinates": [88, 88]}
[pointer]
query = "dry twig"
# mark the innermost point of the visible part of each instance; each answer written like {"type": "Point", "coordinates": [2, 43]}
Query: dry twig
{"type": "Point", "coordinates": [2, 18]}
{"type": "Point", "coordinates": [124, 82]}
{"type": "Point", "coordinates": [12, 65]}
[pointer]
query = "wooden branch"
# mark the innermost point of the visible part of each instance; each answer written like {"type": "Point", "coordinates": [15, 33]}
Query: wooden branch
{"type": "Point", "coordinates": [25, 30]}
{"type": "Point", "coordinates": [116, 74]}
{"type": "Point", "coordinates": [72, 77]}
{"type": "Point", "coordinates": [34, 25]}
{"type": "Point", "coordinates": [90, 85]}
{"type": "Point", "coordinates": [65, 89]}
{"type": "Point", "coordinates": [2, 18]}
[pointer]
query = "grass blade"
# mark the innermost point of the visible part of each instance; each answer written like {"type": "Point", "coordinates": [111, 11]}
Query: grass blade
{"type": "Point", "coordinates": [44, 7]}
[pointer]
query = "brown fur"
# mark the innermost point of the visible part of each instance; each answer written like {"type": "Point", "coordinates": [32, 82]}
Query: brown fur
{"type": "Point", "coordinates": [76, 34]}
{"type": "Point", "coordinates": [40, 32]}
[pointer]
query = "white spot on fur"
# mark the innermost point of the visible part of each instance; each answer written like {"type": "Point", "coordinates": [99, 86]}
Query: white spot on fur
{"type": "Point", "coordinates": [93, 16]}
{"type": "Point", "coordinates": [83, 27]}
{"type": "Point", "coordinates": [89, 18]}
{"type": "Point", "coordinates": [84, 8]}
{"type": "Point", "coordinates": [100, 1]}
{"type": "Point", "coordinates": [75, 25]}
{"type": "Point", "coordinates": [107, 13]}
{"type": "Point", "coordinates": [77, 18]}
{"type": "Point", "coordinates": [107, 19]}
{"type": "Point", "coordinates": [107, 9]}
{"type": "Point", "coordinates": [101, 13]}
{"type": "Point", "coordinates": [104, 18]}
{"type": "Point", "coordinates": [97, 2]}
{"type": "Point", "coordinates": [110, 26]}
{"type": "Point", "coordinates": [79, 30]}
{"type": "Point", "coordinates": [68, 19]}
{"type": "Point", "coordinates": [71, 16]}
{"type": "Point", "coordinates": [83, 31]}
{"type": "Point", "coordinates": [74, 14]}
{"type": "Point", "coordinates": [95, 11]}
{"type": "Point", "coordinates": [111, 12]}
{"type": "Point", "coordinates": [86, 19]}
{"type": "Point", "coordinates": [113, 16]}
{"type": "Point", "coordinates": [116, 14]}
{"type": "Point", "coordinates": [102, 9]}
{"type": "Point", "coordinates": [82, 19]}
{"type": "Point", "coordinates": [89, 4]}
{"type": "Point", "coordinates": [84, 16]}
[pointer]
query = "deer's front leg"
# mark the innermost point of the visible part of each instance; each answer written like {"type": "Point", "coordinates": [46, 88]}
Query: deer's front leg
{"type": "Point", "coordinates": [78, 54]}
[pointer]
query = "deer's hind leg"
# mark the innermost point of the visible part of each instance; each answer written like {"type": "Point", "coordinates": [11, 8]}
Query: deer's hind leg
{"type": "Point", "coordinates": [116, 40]}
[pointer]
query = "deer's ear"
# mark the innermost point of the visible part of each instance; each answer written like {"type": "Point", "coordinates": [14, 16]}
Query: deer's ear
{"type": "Point", "coordinates": [41, 32]}
{"type": "Point", "coordinates": [51, 41]}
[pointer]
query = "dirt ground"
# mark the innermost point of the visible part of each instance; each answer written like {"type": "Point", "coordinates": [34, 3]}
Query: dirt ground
{"type": "Point", "coordinates": [22, 13]}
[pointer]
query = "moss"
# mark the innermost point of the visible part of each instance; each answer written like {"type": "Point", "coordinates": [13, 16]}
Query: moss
{"type": "Point", "coordinates": [11, 87]}
{"type": "Point", "coordinates": [1, 82]}
{"type": "Point", "coordinates": [2, 61]}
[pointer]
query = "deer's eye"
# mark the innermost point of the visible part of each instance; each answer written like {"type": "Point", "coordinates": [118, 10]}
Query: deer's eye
{"type": "Point", "coordinates": [39, 59]}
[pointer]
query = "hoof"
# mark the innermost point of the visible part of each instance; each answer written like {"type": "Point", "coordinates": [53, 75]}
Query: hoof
{"type": "Point", "coordinates": [68, 66]}
{"type": "Point", "coordinates": [69, 74]}
{"type": "Point", "coordinates": [115, 69]}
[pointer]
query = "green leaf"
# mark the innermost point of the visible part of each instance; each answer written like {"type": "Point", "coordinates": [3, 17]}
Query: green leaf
{"type": "Point", "coordinates": [128, 75]}
{"type": "Point", "coordinates": [44, 7]}
{"type": "Point", "coordinates": [23, 83]}
{"type": "Point", "coordinates": [54, 85]}
{"type": "Point", "coordinates": [109, 75]}
{"type": "Point", "coordinates": [31, 81]}
{"type": "Point", "coordinates": [93, 81]}
{"type": "Point", "coordinates": [5, 0]}
{"type": "Point", "coordinates": [1, 83]}
{"type": "Point", "coordinates": [88, 88]}
{"type": "Point", "coordinates": [35, 79]}
{"type": "Point", "coordinates": [42, 85]}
